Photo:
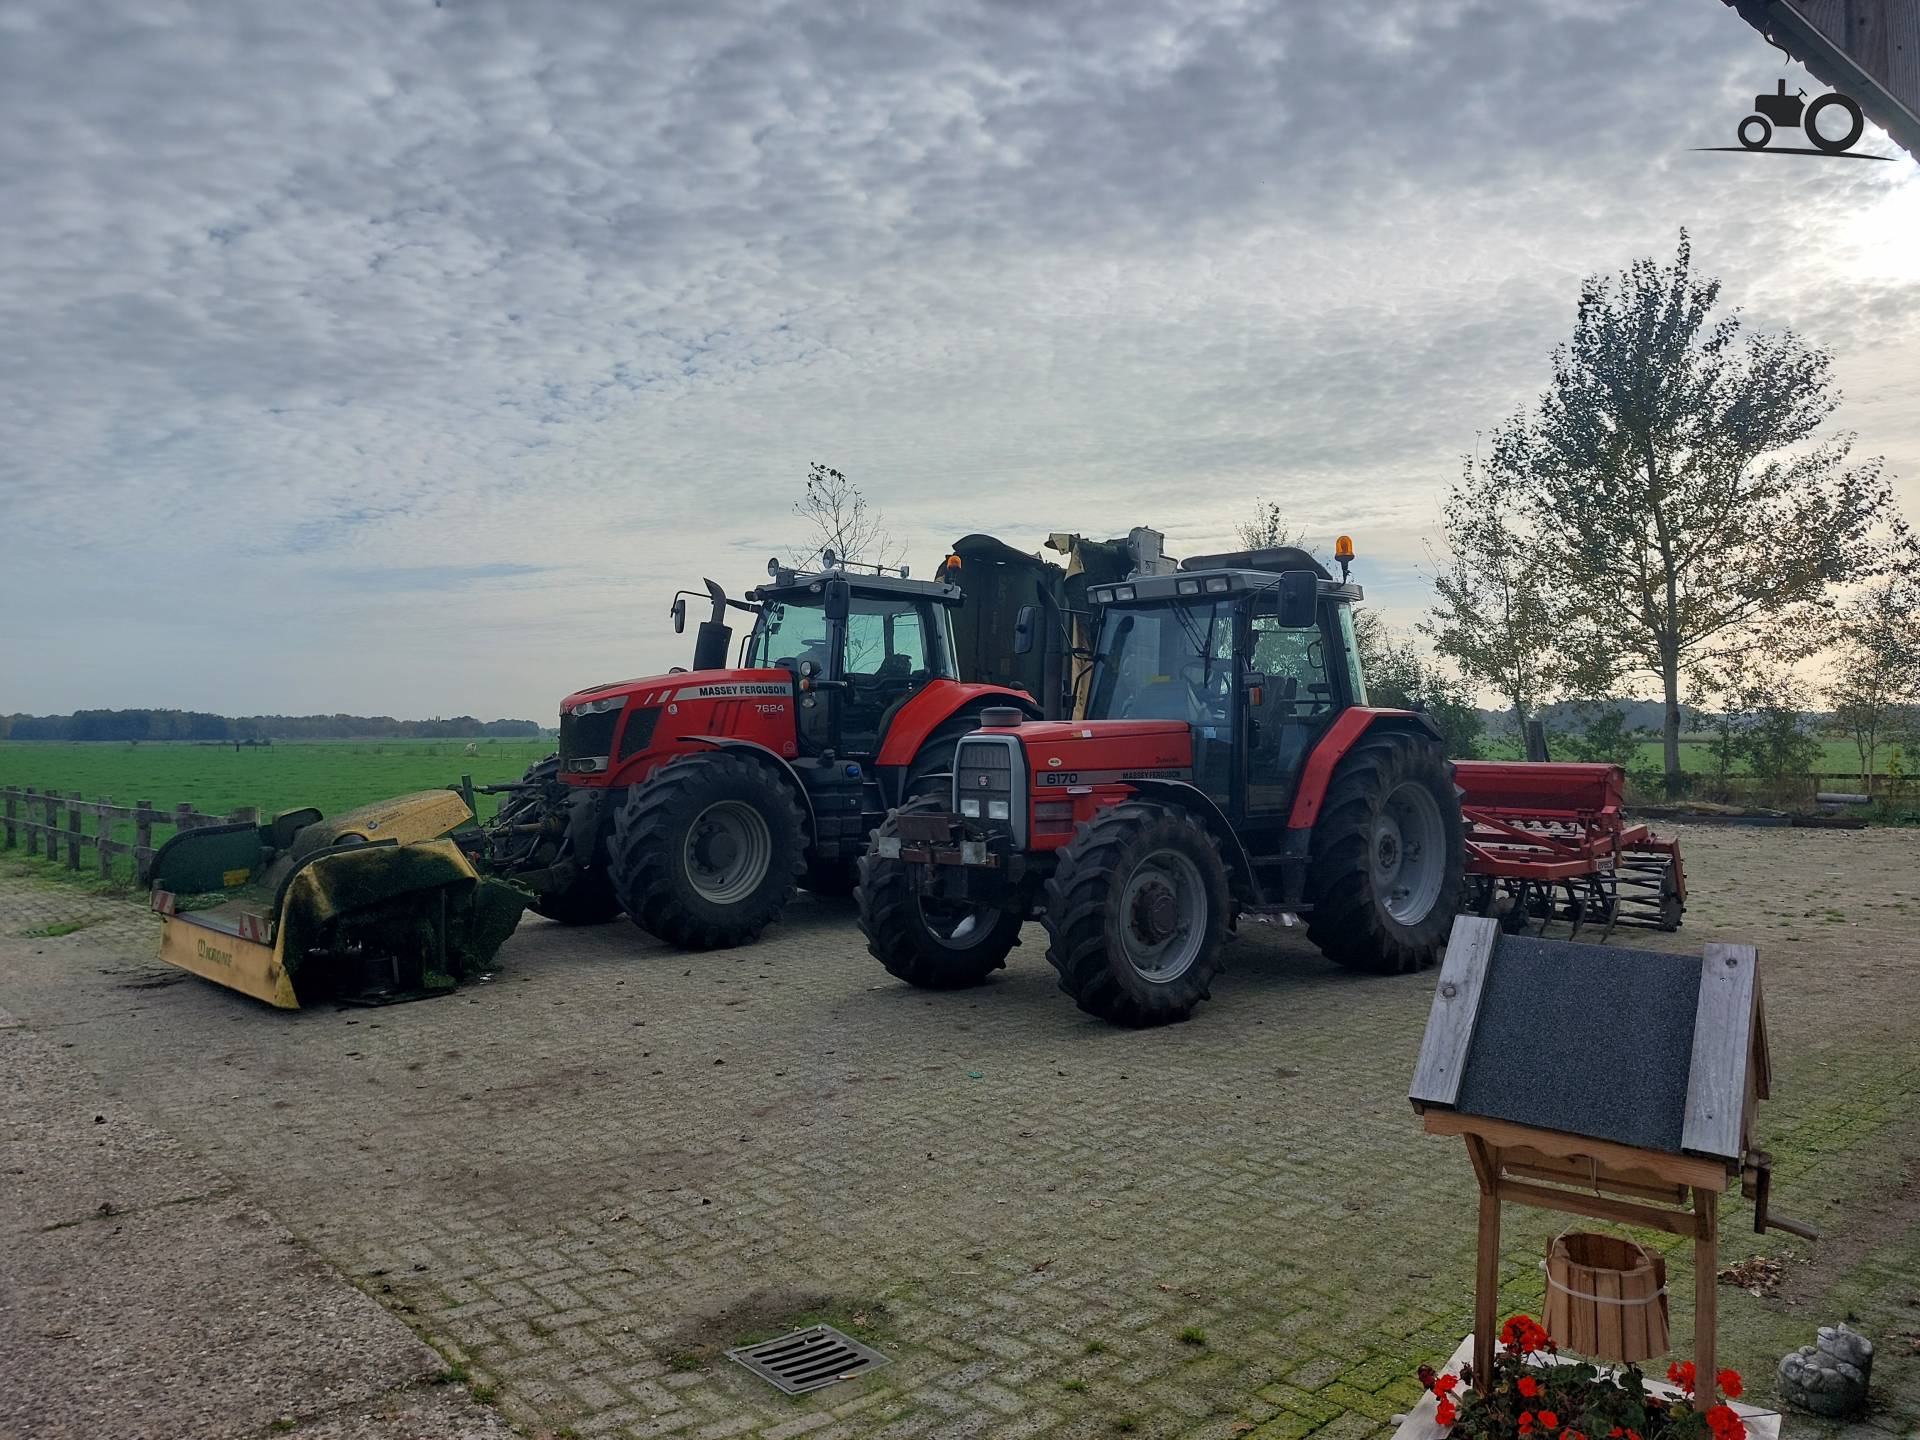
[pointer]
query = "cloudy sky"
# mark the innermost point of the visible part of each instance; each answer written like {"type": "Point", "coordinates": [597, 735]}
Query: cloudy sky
{"type": "Point", "coordinates": [403, 357]}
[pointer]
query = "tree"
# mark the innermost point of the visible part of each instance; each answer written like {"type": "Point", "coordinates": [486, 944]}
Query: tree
{"type": "Point", "coordinates": [1400, 678]}
{"type": "Point", "coordinates": [1268, 528]}
{"type": "Point", "coordinates": [1495, 616]}
{"type": "Point", "coordinates": [1874, 683]}
{"type": "Point", "coordinates": [1687, 510]}
{"type": "Point", "coordinates": [838, 517]}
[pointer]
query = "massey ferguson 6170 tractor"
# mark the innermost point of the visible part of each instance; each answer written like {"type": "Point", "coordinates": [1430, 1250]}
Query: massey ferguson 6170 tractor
{"type": "Point", "coordinates": [693, 801]}
{"type": "Point", "coordinates": [1230, 764]}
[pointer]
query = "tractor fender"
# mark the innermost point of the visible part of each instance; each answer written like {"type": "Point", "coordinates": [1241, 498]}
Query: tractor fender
{"type": "Point", "coordinates": [1345, 732]}
{"type": "Point", "coordinates": [930, 707]}
{"type": "Point", "coordinates": [753, 747]}
{"type": "Point", "coordinates": [1189, 797]}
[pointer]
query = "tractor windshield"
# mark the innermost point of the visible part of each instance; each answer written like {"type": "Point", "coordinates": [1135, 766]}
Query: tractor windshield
{"type": "Point", "coordinates": [889, 638]}
{"type": "Point", "coordinates": [787, 632]}
{"type": "Point", "coordinates": [1170, 662]}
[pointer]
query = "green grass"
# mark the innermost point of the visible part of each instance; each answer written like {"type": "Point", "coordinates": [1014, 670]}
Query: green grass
{"type": "Point", "coordinates": [333, 775]}
{"type": "Point", "coordinates": [57, 929]}
{"type": "Point", "coordinates": [1837, 757]}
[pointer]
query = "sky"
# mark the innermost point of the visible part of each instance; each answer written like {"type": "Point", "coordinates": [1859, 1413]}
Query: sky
{"type": "Point", "coordinates": [402, 357]}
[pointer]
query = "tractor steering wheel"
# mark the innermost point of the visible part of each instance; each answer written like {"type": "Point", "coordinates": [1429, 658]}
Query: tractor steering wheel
{"type": "Point", "coordinates": [1211, 694]}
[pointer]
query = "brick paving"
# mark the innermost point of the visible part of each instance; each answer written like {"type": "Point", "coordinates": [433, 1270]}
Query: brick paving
{"type": "Point", "coordinates": [586, 1177]}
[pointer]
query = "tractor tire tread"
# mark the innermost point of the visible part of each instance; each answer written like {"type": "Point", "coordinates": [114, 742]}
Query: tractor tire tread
{"type": "Point", "coordinates": [641, 859]}
{"type": "Point", "coordinates": [1075, 914]}
{"type": "Point", "coordinates": [897, 936]}
{"type": "Point", "coordinates": [1344, 921]}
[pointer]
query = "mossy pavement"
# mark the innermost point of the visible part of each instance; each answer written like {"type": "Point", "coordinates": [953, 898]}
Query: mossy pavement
{"type": "Point", "coordinates": [584, 1178]}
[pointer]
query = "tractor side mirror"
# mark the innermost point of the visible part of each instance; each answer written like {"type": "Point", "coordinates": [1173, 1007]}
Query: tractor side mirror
{"type": "Point", "coordinates": [679, 613]}
{"type": "Point", "coordinates": [1023, 622]}
{"type": "Point", "coordinates": [1298, 600]}
{"type": "Point", "coordinates": [837, 600]}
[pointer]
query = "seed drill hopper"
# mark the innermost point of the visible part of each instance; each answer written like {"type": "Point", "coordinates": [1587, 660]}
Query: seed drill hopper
{"type": "Point", "coordinates": [375, 902]}
{"type": "Point", "coordinates": [1552, 840]}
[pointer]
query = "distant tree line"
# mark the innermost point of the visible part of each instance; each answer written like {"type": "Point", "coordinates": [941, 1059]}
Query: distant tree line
{"type": "Point", "coordinates": [138, 725]}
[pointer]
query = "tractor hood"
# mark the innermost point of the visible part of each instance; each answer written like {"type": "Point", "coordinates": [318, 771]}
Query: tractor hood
{"type": "Point", "coordinates": [681, 685]}
{"type": "Point", "coordinates": [1085, 747]}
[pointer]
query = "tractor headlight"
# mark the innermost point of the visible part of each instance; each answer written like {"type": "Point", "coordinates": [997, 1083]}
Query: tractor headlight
{"type": "Point", "coordinates": [970, 809]}
{"type": "Point", "coordinates": [996, 809]}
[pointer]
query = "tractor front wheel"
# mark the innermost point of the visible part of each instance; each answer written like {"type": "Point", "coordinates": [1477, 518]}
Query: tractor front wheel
{"type": "Point", "coordinates": [705, 852]}
{"type": "Point", "coordinates": [1135, 910]}
{"type": "Point", "coordinates": [933, 944]}
{"type": "Point", "coordinates": [1388, 869]}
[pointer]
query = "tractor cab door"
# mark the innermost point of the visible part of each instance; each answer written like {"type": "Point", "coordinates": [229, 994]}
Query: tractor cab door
{"type": "Point", "coordinates": [788, 634]}
{"type": "Point", "coordinates": [1295, 700]}
{"type": "Point", "coordinates": [894, 646]}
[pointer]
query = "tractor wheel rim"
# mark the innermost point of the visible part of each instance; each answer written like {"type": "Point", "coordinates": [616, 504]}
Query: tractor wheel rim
{"type": "Point", "coordinates": [1409, 852]}
{"type": "Point", "coordinates": [1163, 917]}
{"type": "Point", "coordinates": [728, 851]}
{"type": "Point", "coordinates": [957, 926]}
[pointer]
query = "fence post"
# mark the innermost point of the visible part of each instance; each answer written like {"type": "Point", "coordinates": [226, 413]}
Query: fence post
{"type": "Point", "coordinates": [142, 839]}
{"type": "Point", "coordinates": [103, 823]}
{"type": "Point", "coordinates": [244, 815]}
{"type": "Point", "coordinates": [33, 833]}
{"type": "Point", "coordinates": [13, 813]}
{"type": "Point", "coordinates": [73, 830]}
{"type": "Point", "coordinates": [182, 816]}
{"type": "Point", "coordinates": [53, 825]}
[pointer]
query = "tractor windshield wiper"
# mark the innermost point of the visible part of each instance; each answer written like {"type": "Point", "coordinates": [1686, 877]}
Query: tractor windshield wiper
{"type": "Point", "coordinates": [1203, 645]}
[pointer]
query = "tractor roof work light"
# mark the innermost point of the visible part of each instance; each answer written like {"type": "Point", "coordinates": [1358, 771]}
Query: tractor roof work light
{"type": "Point", "coordinates": [1343, 552]}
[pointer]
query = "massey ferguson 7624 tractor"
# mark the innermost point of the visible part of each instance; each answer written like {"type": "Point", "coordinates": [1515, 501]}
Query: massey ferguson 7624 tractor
{"type": "Point", "coordinates": [694, 801]}
{"type": "Point", "coordinates": [1230, 764]}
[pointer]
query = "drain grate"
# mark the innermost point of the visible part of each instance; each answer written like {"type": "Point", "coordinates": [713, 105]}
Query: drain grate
{"type": "Point", "coordinates": [808, 1359]}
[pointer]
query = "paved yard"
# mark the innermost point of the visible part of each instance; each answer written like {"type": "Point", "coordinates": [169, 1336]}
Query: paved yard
{"type": "Point", "coordinates": [583, 1179]}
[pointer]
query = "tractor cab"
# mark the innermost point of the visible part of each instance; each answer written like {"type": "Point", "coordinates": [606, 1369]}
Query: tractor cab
{"type": "Point", "coordinates": [859, 647]}
{"type": "Point", "coordinates": [1253, 651]}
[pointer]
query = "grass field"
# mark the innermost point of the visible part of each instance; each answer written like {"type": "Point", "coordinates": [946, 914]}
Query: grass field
{"type": "Point", "coordinates": [333, 775]}
{"type": "Point", "coordinates": [1837, 757]}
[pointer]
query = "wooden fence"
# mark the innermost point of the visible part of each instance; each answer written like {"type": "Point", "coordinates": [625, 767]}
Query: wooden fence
{"type": "Point", "coordinates": [38, 815]}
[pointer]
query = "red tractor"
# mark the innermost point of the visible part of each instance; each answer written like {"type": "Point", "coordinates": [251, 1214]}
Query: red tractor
{"type": "Point", "coordinates": [694, 801]}
{"type": "Point", "coordinates": [1230, 765]}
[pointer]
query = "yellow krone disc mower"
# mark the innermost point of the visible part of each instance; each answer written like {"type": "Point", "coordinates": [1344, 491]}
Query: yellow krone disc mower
{"type": "Point", "coordinates": [374, 904]}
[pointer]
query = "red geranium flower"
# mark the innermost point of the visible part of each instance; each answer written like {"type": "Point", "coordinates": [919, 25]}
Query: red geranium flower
{"type": "Point", "coordinates": [1549, 1419]}
{"type": "Point", "coordinates": [1526, 1422]}
{"type": "Point", "coordinates": [1730, 1385]}
{"type": "Point", "coordinates": [1529, 1386]}
{"type": "Point", "coordinates": [1446, 1414]}
{"type": "Point", "coordinates": [1445, 1385]}
{"type": "Point", "coordinates": [1682, 1375]}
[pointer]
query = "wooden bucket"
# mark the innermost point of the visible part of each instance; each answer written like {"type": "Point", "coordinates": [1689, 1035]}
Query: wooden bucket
{"type": "Point", "coordinates": [1606, 1297]}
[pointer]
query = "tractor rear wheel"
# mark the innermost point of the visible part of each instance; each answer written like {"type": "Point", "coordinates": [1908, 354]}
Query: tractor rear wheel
{"type": "Point", "coordinates": [1135, 910]}
{"type": "Point", "coordinates": [589, 900]}
{"type": "Point", "coordinates": [705, 852]}
{"type": "Point", "coordinates": [934, 944]}
{"type": "Point", "coordinates": [1388, 867]}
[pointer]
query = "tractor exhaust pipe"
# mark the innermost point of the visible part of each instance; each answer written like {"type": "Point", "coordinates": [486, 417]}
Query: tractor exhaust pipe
{"type": "Point", "coordinates": [714, 637]}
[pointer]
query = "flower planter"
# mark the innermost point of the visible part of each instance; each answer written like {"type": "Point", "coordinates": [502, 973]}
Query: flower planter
{"type": "Point", "coordinates": [1607, 1297]}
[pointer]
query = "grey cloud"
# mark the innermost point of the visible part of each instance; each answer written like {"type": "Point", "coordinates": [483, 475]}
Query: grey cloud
{"type": "Point", "coordinates": [576, 290]}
